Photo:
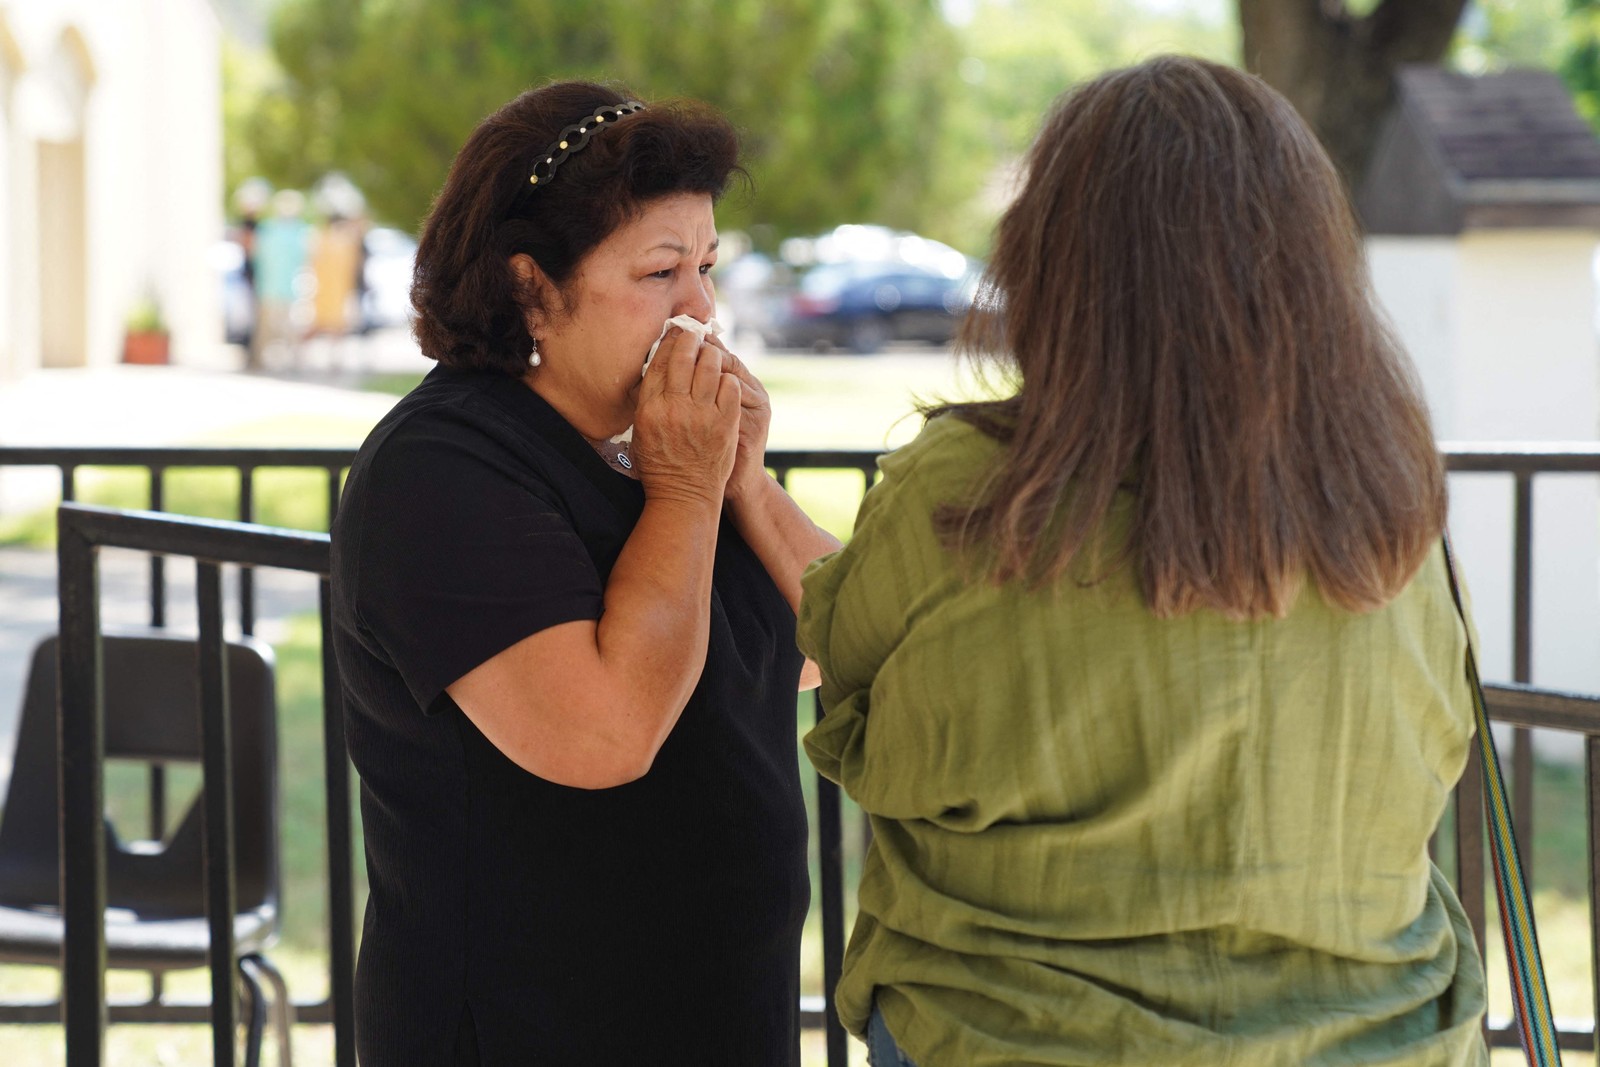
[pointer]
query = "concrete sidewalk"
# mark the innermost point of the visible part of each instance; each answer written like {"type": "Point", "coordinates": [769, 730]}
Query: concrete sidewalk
{"type": "Point", "coordinates": [202, 395]}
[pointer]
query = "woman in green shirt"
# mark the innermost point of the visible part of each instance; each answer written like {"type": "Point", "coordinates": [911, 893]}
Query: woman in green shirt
{"type": "Point", "coordinates": [1149, 676]}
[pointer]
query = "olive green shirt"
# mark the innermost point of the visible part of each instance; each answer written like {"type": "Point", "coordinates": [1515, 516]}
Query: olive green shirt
{"type": "Point", "coordinates": [1101, 837]}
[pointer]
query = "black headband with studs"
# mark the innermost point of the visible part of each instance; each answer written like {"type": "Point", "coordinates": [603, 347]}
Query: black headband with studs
{"type": "Point", "coordinates": [574, 139]}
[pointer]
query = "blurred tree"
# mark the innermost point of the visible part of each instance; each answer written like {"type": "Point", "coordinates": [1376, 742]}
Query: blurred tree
{"type": "Point", "coordinates": [263, 129]}
{"type": "Point", "coordinates": [1496, 34]}
{"type": "Point", "coordinates": [1024, 53]}
{"type": "Point", "coordinates": [841, 101]}
{"type": "Point", "coordinates": [1336, 61]}
{"type": "Point", "coordinates": [1580, 65]}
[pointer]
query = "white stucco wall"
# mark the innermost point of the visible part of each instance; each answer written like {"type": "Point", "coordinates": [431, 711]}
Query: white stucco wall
{"type": "Point", "coordinates": [147, 105]}
{"type": "Point", "coordinates": [1527, 338]}
{"type": "Point", "coordinates": [1415, 279]}
{"type": "Point", "coordinates": [11, 67]}
{"type": "Point", "coordinates": [1501, 327]}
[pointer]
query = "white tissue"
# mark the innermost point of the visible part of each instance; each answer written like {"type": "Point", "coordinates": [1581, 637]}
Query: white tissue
{"type": "Point", "coordinates": [683, 322]}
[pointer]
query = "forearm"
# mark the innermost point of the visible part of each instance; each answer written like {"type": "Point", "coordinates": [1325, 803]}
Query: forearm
{"type": "Point", "coordinates": [652, 638]}
{"type": "Point", "coordinates": [782, 536]}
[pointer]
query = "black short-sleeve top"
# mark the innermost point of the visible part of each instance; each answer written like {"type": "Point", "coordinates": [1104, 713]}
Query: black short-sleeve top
{"type": "Point", "coordinates": [657, 922]}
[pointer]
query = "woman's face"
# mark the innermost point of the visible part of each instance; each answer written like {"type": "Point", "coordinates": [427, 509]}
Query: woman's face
{"type": "Point", "coordinates": [593, 346]}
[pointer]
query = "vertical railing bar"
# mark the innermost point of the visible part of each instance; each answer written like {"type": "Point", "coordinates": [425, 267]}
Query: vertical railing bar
{"type": "Point", "coordinates": [247, 574]}
{"type": "Point", "coordinates": [341, 880]}
{"type": "Point", "coordinates": [1470, 854]}
{"type": "Point", "coordinates": [158, 562]}
{"type": "Point", "coordinates": [217, 768]}
{"type": "Point", "coordinates": [69, 482]}
{"type": "Point", "coordinates": [333, 493]}
{"type": "Point", "coordinates": [1591, 780]}
{"type": "Point", "coordinates": [82, 800]}
{"type": "Point", "coordinates": [830, 832]}
{"type": "Point", "coordinates": [1522, 669]}
{"type": "Point", "coordinates": [869, 474]}
{"type": "Point", "coordinates": [158, 617]}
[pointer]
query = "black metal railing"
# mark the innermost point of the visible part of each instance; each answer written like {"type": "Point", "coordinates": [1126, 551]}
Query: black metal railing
{"type": "Point", "coordinates": [81, 532]}
{"type": "Point", "coordinates": [215, 542]}
{"type": "Point", "coordinates": [1526, 709]}
{"type": "Point", "coordinates": [241, 543]}
{"type": "Point", "coordinates": [157, 462]}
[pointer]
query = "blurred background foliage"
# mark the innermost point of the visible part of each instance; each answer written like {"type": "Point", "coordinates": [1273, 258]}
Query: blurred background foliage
{"type": "Point", "coordinates": [909, 113]}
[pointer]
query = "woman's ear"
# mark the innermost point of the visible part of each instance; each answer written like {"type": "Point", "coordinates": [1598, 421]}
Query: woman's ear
{"type": "Point", "coordinates": [535, 292]}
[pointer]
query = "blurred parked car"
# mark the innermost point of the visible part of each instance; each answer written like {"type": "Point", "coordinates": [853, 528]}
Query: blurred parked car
{"type": "Point", "coordinates": [386, 299]}
{"type": "Point", "coordinates": [864, 306]}
{"type": "Point", "coordinates": [869, 285]}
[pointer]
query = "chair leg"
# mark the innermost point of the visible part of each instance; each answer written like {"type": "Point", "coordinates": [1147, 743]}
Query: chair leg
{"type": "Point", "coordinates": [283, 1007]}
{"type": "Point", "coordinates": [255, 1015]}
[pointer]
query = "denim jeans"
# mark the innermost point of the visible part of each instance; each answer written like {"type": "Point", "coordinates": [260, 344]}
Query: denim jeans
{"type": "Point", "coordinates": [881, 1049]}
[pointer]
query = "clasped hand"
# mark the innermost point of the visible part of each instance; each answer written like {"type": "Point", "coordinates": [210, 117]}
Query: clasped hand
{"type": "Point", "coordinates": [686, 424]}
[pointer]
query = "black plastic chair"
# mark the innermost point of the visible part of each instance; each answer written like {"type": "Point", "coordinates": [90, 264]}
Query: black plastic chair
{"type": "Point", "coordinates": [155, 919]}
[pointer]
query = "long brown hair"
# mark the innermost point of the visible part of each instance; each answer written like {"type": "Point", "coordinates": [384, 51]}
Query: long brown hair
{"type": "Point", "coordinates": [1181, 290]}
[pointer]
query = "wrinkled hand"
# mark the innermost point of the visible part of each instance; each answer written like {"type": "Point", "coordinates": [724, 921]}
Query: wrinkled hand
{"type": "Point", "coordinates": [686, 424]}
{"type": "Point", "coordinates": [755, 420]}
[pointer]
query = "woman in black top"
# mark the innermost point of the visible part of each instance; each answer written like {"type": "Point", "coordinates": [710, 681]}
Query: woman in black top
{"type": "Point", "coordinates": [569, 663]}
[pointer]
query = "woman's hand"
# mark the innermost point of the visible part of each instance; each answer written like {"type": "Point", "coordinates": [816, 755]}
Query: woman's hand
{"type": "Point", "coordinates": [686, 428]}
{"type": "Point", "coordinates": [755, 419]}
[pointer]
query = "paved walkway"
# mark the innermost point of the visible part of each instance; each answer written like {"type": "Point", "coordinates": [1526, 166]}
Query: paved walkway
{"type": "Point", "coordinates": [199, 398]}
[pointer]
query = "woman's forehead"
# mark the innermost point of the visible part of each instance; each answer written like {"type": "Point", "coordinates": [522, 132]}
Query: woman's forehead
{"type": "Point", "coordinates": [683, 222]}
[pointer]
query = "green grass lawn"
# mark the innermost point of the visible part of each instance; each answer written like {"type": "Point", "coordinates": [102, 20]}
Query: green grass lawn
{"type": "Point", "coordinates": [831, 402]}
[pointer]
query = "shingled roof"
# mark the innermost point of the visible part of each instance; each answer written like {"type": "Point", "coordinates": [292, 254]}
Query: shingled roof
{"type": "Point", "coordinates": [1498, 151]}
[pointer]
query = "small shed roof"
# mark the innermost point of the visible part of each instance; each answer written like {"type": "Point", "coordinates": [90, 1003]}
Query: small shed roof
{"type": "Point", "coordinates": [1460, 152]}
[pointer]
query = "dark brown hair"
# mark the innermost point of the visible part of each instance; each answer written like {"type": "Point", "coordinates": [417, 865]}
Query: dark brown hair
{"type": "Point", "coordinates": [1181, 290]}
{"type": "Point", "coordinates": [470, 307]}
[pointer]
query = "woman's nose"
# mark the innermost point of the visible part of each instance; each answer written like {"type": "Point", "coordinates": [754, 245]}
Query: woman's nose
{"type": "Point", "coordinates": [699, 298]}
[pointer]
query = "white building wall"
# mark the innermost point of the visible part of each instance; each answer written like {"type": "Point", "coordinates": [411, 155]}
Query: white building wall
{"type": "Point", "coordinates": [152, 146]}
{"type": "Point", "coordinates": [1501, 326]}
{"type": "Point", "coordinates": [1415, 279]}
{"type": "Point", "coordinates": [11, 67]}
{"type": "Point", "coordinates": [189, 197]}
{"type": "Point", "coordinates": [1527, 340]}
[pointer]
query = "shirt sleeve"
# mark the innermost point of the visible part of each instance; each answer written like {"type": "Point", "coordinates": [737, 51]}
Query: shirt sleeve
{"type": "Point", "coordinates": [463, 552]}
{"type": "Point", "coordinates": [857, 608]}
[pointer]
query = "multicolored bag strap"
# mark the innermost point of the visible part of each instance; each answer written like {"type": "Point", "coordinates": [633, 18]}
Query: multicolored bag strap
{"type": "Point", "coordinates": [1528, 990]}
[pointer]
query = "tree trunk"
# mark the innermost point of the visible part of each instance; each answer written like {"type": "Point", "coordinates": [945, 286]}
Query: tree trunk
{"type": "Point", "coordinates": [1339, 70]}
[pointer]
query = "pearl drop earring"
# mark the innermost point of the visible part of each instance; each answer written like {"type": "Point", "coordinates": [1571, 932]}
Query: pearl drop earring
{"type": "Point", "coordinates": [533, 354]}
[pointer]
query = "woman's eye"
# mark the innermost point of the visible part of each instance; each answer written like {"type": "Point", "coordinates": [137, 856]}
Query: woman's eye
{"type": "Point", "coordinates": [705, 268]}
{"type": "Point", "coordinates": [662, 273]}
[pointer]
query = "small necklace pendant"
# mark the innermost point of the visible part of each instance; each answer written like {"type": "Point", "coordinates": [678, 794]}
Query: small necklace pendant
{"type": "Point", "coordinates": [624, 461]}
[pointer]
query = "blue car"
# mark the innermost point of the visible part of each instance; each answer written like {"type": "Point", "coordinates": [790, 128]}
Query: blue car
{"type": "Point", "coordinates": [862, 306]}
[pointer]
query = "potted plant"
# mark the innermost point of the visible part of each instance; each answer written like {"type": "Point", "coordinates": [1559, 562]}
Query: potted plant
{"type": "Point", "coordinates": [145, 339]}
